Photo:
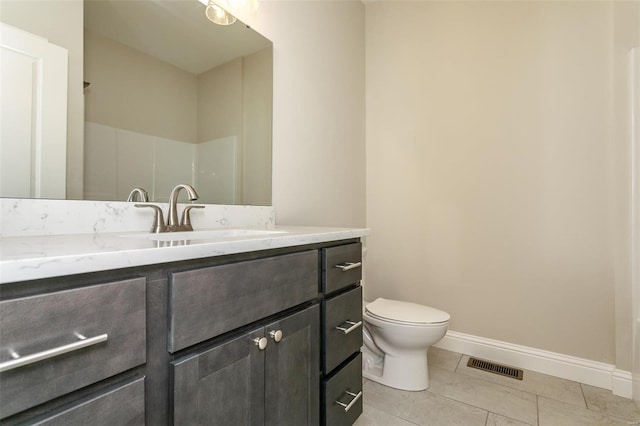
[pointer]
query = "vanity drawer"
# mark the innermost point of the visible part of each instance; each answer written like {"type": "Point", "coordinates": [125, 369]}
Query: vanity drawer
{"type": "Point", "coordinates": [73, 338]}
{"type": "Point", "coordinates": [342, 327]}
{"type": "Point", "coordinates": [122, 405]}
{"type": "Point", "coordinates": [343, 395]}
{"type": "Point", "coordinates": [205, 303]}
{"type": "Point", "coordinates": [342, 266]}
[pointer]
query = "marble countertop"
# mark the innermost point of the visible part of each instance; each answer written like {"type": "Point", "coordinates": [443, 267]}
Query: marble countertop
{"type": "Point", "coordinates": [34, 257]}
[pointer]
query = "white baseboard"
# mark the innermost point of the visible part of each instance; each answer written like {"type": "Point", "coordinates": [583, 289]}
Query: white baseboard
{"type": "Point", "coordinates": [554, 364]}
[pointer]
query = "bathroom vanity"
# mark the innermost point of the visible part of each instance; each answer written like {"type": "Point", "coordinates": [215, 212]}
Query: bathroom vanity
{"type": "Point", "coordinates": [244, 329]}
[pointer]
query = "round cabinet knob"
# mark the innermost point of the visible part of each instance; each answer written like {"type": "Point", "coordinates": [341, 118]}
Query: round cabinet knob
{"type": "Point", "coordinates": [261, 342]}
{"type": "Point", "coordinates": [276, 335]}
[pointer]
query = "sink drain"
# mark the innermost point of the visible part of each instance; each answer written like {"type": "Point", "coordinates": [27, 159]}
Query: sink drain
{"type": "Point", "coordinates": [492, 367]}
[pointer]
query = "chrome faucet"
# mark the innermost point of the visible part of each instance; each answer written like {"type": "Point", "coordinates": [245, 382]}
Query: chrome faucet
{"type": "Point", "coordinates": [140, 194]}
{"type": "Point", "coordinates": [173, 225]}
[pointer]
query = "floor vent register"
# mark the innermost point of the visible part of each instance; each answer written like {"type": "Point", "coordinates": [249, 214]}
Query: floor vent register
{"type": "Point", "coordinates": [492, 367]}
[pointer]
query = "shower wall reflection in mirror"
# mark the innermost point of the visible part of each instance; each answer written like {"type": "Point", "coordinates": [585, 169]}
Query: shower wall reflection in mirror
{"type": "Point", "coordinates": [169, 98]}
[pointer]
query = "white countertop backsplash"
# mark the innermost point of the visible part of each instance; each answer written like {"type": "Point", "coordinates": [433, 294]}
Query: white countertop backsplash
{"type": "Point", "coordinates": [25, 217]}
{"type": "Point", "coordinates": [51, 238]}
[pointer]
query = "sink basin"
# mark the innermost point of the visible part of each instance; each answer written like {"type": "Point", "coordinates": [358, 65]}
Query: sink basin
{"type": "Point", "coordinates": [213, 234]}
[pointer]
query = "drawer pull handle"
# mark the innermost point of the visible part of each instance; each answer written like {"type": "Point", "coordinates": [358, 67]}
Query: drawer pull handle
{"type": "Point", "coordinates": [261, 342]}
{"type": "Point", "coordinates": [356, 397]}
{"type": "Point", "coordinates": [20, 361]}
{"type": "Point", "coordinates": [347, 330]}
{"type": "Point", "coordinates": [347, 266]}
{"type": "Point", "coordinates": [276, 335]}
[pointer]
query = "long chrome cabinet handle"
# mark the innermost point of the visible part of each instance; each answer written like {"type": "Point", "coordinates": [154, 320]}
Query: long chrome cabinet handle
{"type": "Point", "coordinates": [21, 361]}
{"type": "Point", "coordinates": [347, 266]}
{"type": "Point", "coordinates": [348, 406]}
{"type": "Point", "coordinates": [347, 330]}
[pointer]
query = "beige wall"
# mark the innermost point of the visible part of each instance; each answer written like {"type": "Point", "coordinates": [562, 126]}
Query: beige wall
{"type": "Point", "coordinates": [318, 117]}
{"type": "Point", "coordinates": [220, 102]}
{"type": "Point", "coordinates": [235, 99]}
{"type": "Point", "coordinates": [137, 92]}
{"type": "Point", "coordinates": [258, 129]}
{"type": "Point", "coordinates": [489, 132]}
{"type": "Point", "coordinates": [61, 23]}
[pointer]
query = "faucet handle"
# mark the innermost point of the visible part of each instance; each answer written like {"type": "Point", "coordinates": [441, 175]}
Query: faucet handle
{"type": "Point", "coordinates": [185, 220]}
{"type": "Point", "coordinates": [158, 219]}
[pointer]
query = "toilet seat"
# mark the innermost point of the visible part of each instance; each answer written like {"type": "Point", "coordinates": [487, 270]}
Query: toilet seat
{"type": "Point", "coordinates": [399, 312]}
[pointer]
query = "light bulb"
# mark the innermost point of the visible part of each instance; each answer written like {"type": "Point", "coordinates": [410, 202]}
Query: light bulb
{"type": "Point", "coordinates": [218, 15]}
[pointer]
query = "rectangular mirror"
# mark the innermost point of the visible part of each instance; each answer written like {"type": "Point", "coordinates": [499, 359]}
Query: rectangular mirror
{"type": "Point", "coordinates": [170, 98]}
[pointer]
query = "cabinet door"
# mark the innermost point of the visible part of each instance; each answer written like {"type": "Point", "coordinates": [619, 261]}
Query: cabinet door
{"type": "Point", "coordinates": [223, 385]}
{"type": "Point", "coordinates": [292, 370]}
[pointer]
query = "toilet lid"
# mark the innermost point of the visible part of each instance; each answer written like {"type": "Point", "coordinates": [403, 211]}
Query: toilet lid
{"type": "Point", "coordinates": [406, 312]}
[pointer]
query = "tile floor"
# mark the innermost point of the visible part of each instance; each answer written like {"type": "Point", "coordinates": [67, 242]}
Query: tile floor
{"type": "Point", "coordinates": [459, 395]}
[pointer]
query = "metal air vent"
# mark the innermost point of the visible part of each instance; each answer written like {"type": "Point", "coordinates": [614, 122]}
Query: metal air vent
{"type": "Point", "coordinates": [492, 367]}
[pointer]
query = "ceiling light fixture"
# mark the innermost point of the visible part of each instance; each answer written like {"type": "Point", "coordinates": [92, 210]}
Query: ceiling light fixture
{"type": "Point", "coordinates": [217, 14]}
{"type": "Point", "coordinates": [221, 11]}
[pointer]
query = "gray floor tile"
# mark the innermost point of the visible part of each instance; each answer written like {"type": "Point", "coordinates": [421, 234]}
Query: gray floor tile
{"type": "Point", "coordinates": [503, 400]}
{"type": "Point", "coordinates": [555, 413]}
{"type": "Point", "coordinates": [459, 395]}
{"type": "Point", "coordinates": [532, 382]}
{"type": "Point", "coordinates": [371, 416]}
{"type": "Point", "coordinates": [604, 401]}
{"type": "Point", "coordinates": [443, 359]}
{"type": "Point", "coordinates": [422, 408]}
{"type": "Point", "coordinates": [498, 420]}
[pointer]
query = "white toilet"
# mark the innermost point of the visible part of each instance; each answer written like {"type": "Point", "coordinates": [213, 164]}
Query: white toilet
{"type": "Point", "coordinates": [397, 336]}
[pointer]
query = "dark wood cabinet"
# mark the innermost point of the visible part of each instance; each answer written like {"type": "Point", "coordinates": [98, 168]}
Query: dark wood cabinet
{"type": "Point", "coordinates": [341, 267]}
{"type": "Point", "coordinates": [204, 303]}
{"type": "Point", "coordinates": [341, 334]}
{"type": "Point", "coordinates": [342, 331]}
{"type": "Point", "coordinates": [292, 370]}
{"type": "Point", "coordinates": [343, 394]}
{"type": "Point", "coordinates": [119, 405]}
{"type": "Point", "coordinates": [269, 375]}
{"type": "Point", "coordinates": [55, 330]}
{"type": "Point", "coordinates": [223, 385]}
{"type": "Point", "coordinates": [245, 339]}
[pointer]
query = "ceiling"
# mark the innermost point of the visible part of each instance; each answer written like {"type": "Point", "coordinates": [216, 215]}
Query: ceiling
{"type": "Point", "coordinates": [162, 29]}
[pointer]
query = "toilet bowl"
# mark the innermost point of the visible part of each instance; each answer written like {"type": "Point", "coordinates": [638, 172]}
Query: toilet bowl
{"type": "Point", "coordinates": [397, 336]}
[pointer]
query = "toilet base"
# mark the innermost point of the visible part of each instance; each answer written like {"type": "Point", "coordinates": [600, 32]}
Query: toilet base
{"type": "Point", "coordinates": [409, 371]}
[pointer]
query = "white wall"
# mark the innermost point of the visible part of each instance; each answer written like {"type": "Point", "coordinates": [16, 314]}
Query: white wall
{"type": "Point", "coordinates": [318, 117]}
{"type": "Point", "coordinates": [489, 132]}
